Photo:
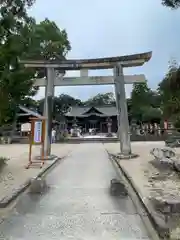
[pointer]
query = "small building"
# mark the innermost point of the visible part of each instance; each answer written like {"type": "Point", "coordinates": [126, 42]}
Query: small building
{"type": "Point", "coordinates": [23, 119]}
{"type": "Point", "coordinates": [24, 114]}
{"type": "Point", "coordinates": [92, 117]}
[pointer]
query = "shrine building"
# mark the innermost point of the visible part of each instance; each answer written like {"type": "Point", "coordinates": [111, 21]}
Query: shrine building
{"type": "Point", "coordinates": [92, 117]}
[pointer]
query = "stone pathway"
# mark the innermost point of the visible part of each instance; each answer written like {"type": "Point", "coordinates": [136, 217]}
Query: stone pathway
{"type": "Point", "coordinates": [78, 204]}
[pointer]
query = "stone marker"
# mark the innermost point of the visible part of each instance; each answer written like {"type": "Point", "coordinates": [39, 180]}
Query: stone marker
{"type": "Point", "coordinates": [38, 186]}
{"type": "Point", "coordinates": [117, 188]}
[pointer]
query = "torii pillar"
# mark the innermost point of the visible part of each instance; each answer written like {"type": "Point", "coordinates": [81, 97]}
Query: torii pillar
{"type": "Point", "coordinates": [122, 113]}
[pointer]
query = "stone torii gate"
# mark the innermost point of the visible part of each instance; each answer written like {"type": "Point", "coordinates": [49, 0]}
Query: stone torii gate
{"type": "Point", "coordinates": [118, 79]}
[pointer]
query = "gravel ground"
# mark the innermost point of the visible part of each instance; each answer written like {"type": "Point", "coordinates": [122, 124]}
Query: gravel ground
{"type": "Point", "coordinates": [141, 171]}
{"type": "Point", "coordinates": [14, 173]}
{"type": "Point", "coordinates": [150, 181]}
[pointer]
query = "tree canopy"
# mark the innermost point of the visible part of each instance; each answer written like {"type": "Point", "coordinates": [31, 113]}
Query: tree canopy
{"type": "Point", "coordinates": [169, 89]}
{"type": "Point", "coordinates": [174, 4]}
{"type": "Point", "coordinates": [22, 37]}
{"type": "Point", "coordinates": [60, 106]}
{"type": "Point", "coordinates": [101, 99]}
{"type": "Point", "coordinates": [147, 111]}
{"type": "Point", "coordinates": [145, 104]}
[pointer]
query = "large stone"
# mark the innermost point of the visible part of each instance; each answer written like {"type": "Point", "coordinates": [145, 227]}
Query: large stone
{"type": "Point", "coordinates": [163, 164]}
{"type": "Point", "coordinates": [117, 188]}
{"type": "Point", "coordinates": [160, 205]}
{"type": "Point", "coordinates": [38, 186]}
{"type": "Point", "coordinates": [160, 153]}
{"type": "Point", "coordinates": [175, 233]}
{"type": "Point", "coordinates": [109, 135]}
{"type": "Point", "coordinates": [167, 206]}
{"type": "Point", "coordinates": [158, 176]}
{"type": "Point", "coordinates": [168, 152]}
{"type": "Point", "coordinates": [167, 162]}
{"type": "Point", "coordinates": [161, 225]}
{"type": "Point", "coordinates": [177, 165]}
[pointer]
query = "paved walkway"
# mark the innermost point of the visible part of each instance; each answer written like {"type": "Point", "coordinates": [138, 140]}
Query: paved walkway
{"type": "Point", "coordinates": [78, 204]}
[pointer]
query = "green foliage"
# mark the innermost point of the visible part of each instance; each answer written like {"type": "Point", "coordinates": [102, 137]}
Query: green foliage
{"type": "Point", "coordinates": [3, 161]}
{"type": "Point", "coordinates": [169, 89]}
{"type": "Point", "coordinates": [61, 105]}
{"type": "Point", "coordinates": [145, 104]}
{"type": "Point", "coordinates": [177, 123]}
{"type": "Point", "coordinates": [101, 99]}
{"type": "Point", "coordinates": [47, 42]}
{"type": "Point", "coordinates": [151, 114]}
{"type": "Point", "coordinates": [147, 111]}
{"type": "Point", "coordinates": [21, 37]}
{"type": "Point", "coordinates": [140, 94]}
{"type": "Point", "coordinates": [174, 4]}
{"type": "Point", "coordinates": [64, 101]}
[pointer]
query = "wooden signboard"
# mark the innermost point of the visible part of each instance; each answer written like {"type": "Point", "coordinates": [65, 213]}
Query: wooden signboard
{"type": "Point", "coordinates": [37, 137]}
{"type": "Point", "coordinates": [37, 133]}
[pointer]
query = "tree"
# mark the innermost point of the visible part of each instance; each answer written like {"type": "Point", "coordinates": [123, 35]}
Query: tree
{"type": "Point", "coordinates": [144, 105]}
{"type": "Point", "coordinates": [155, 99]}
{"type": "Point", "coordinates": [169, 89]}
{"type": "Point", "coordinates": [21, 37]}
{"type": "Point", "coordinates": [61, 105]}
{"type": "Point", "coordinates": [174, 4]}
{"type": "Point", "coordinates": [14, 23]}
{"type": "Point", "coordinates": [47, 42]}
{"type": "Point", "coordinates": [30, 103]}
{"type": "Point", "coordinates": [101, 99]}
{"type": "Point", "coordinates": [140, 98]}
{"type": "Point", "coordinates": [151, 115]}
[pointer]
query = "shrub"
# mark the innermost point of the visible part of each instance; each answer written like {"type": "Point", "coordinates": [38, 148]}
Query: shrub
{"type": "Point", "coordinates": [3, 161]}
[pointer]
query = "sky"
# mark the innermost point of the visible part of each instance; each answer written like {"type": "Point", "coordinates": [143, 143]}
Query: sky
{"type": "Point", "coordinates": [98, 28]}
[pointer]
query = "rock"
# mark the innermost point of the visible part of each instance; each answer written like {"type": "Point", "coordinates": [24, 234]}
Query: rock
{"type": "Point", "coordinates": [168, 152]}
{"type": "Point", "coordinates": [174, 204]}
{"type": "Point", "coordinates": [175, 233]}
{"type": "Point", "coordinates": [159, 204]}
{"type": "Point", "coordinates": [158, 176]}
{"type": "Point", "coordinates": [117, 188]}
{"type": "Point", "coordinates": [157, 153]}
{"type": "Point", "coordinates": [167, 162]}
{"type": "Point", "coordinates": [167, 206]}
{"type": "Point", "coordinates": [163, 164]}
{"type": "Point", "coordinates": [177, 165]}
{"type": "Point", "coordinates": [161, 226]}
{"type": "Point", "coordinates": [109, 135]}
{"type": "Point", "coordinates": [38, 186]}
{"type": "Point", "coordinates": [160, 153]}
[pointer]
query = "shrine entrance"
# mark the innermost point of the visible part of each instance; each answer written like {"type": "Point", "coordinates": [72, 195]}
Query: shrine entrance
{"type": "Point", "coordinates": [92, 124]}
{"type": "Point", "coordinates": [103, 127]}
{"type": "Point", "coordinates": [118, 79]}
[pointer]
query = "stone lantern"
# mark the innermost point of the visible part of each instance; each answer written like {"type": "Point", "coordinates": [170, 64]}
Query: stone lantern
{"type": "Point", "coordinates": [133, 127]}
{"type": "Point", "coordinates": [75, 129]}
{"type": "Point", "coordinates": [109, 125]}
